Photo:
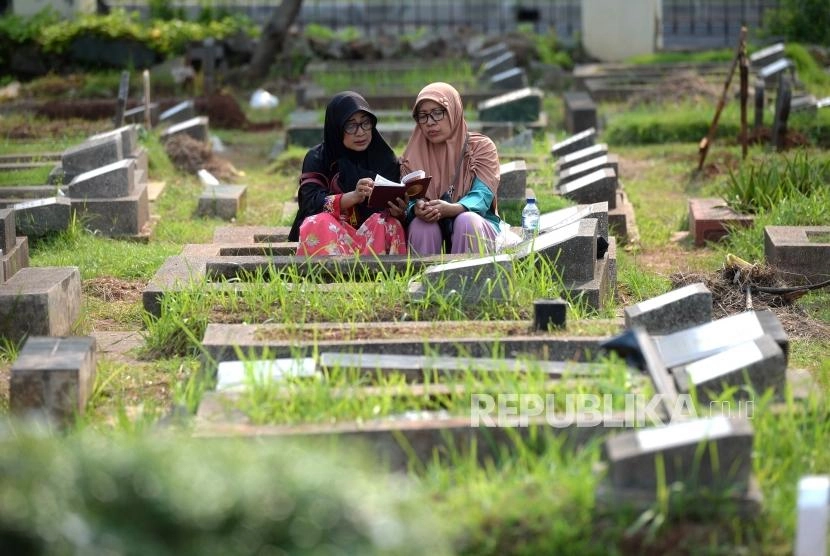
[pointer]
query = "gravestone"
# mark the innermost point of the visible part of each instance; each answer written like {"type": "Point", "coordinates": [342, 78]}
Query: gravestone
{"type": "Point", "coordinates": [197, 128]}
{"type": "Point", "coordinates": [568, 215]}
{"type": "Point", "coordinates": [813, 505]}
{"type": "Point", "coordinates": [549, 313]}
{"type": "Point", "coordinates": [594, 187]}
{"type": "Point", "coordinates": [588, 167]}
{"type": "Point", "coordinates": [523, 105]}
{"type": "Point", "coordinates": [676, 310]}
{"type": "Point", "coordinates": [181, 112]}
{"type": "Point", "coordinates": [40, 301]}
{"type": "Point", "coordinates": [710, 219]}
{"type": "Point", "coordinates": [15, 250]}
{"type": "Point", "coordinates": [766, 56]}
{"type": "Point", "coordinates": [799, 254]}
{"type": "Point", "coordinates": [782, 114]}
{"type": "Point", "coordinates": [714, 452]}
{"type": "Point", "coordinates": [121, 102]}
{"type": "Point", "coordinates": [776, 70]}
{"type": "Point", "coordinates": [40, 217]}
{"type": "Point", "coordinates": [685, 346]}
{"type": "Point", "coordinates": [498, 64]}
{"type": "Point", "coordinates": [474, 280]}
{"type": "Point", "coordinates": [580, 111]}
{"type": "Point", "coordinates": [759, 105]}
{"type": "Point", "coordinates": [571, 249]}
{"type": "Point", "coordinates": [92, 153]}
{"type": "Point", "coordinates": [580, 157]}
{"type": "Point", "coordinates": [148, 105]}
{"type": "Point", "coordinates": [210, 55]}
{"type": "Point", "coordinates": [222, 201]}
{"type": "Point", "coordinates": [236, 375]}
{"type": "Point", "coordinates": [509, 80]}
{"type": "Point", "coordinates": [575, 142]}
{"type": "Point", "coordinates": [53, 377]}
{"type": "Point", "coordinates": [489, 53]}
{"type": "Point", "coordinates": [109, 181]}
{"type": "Point", "coordinates": [513, 181]}
{"type": "Point", "coordinates": [759, 364]}
{"type": "Point", "coordinates": [8, 236]}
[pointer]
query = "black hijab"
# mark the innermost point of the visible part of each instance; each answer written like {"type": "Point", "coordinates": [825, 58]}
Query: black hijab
{"type": "Point", "coordinates": [331, 157]}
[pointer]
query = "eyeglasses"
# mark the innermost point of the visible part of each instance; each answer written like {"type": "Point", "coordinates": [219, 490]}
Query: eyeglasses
{"type": "Point", "coordinates": [436, 115]}
{"type": "Point", "coordinates": [351, 127]}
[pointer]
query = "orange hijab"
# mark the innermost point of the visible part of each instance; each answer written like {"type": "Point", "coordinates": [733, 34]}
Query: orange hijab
{"type": "Point", "coordinates": [440, 160]}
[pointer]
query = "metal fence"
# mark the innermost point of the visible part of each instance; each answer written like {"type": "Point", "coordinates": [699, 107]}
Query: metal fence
{"type": "Point", "coordinates": [686, 24]}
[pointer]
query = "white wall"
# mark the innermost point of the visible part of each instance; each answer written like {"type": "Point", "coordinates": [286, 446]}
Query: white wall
{"type": "Point", "coordinates": [66, 8]}
{"type": "Point", "coordinates": [613, 30]}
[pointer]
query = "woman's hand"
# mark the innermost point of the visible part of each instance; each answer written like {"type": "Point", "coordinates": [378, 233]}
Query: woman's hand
{"type": "Point", "coordinates": [361, 192]}
{"type": "Point", "coordinates": [397, 208]}
{"type": "Point", "coordinates": [435, 210]}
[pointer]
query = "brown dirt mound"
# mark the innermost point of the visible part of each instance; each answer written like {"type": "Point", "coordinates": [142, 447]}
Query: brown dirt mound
{"type": "Point", "coordinates": [686, 85]}
{"type": "Point", "coordinates": [113, 289]}
{"type": "Point", "coordinates": [190, 155]}
{"type": "Point", "coordinates": [728, 286]}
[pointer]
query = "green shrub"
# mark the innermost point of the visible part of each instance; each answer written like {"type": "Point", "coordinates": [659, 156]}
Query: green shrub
{"type": "Point", "coordinates": [801, 21]}
{"type": "Point", "coordinates": [163, 494]}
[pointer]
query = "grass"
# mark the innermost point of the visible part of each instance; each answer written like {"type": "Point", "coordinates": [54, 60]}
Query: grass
{"type": "Point", "coordinates": [538, 496]}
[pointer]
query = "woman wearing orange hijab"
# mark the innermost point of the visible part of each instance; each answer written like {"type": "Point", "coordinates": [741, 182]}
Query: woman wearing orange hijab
{"type": "Point", "coordinates": [464, 166]}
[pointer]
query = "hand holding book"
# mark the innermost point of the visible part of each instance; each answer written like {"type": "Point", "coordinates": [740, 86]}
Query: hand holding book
{"type": "Point", "coordinates": [413, 186]}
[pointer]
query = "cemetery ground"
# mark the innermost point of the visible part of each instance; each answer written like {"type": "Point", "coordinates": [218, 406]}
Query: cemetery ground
{"type": "Point", "coordinates": [529, 499]}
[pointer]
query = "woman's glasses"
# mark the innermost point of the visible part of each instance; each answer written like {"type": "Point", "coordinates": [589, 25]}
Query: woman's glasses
{"type": "Point", "coordinates": [436, 115]}
{"type": "Point", "coordinates": [351, 127]}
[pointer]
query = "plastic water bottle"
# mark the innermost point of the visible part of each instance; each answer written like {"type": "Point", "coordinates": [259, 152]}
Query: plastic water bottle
{"type": "Point", "coordinates": [530, 219]}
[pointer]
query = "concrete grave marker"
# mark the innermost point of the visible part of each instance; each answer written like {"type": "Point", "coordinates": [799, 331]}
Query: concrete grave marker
{"type": "Point", "coordinates": [572, 249]}
{"type": "Point", "coordinates": [109, 181]}
{"type": "Point", "coordinates": [234, 375]}
{"type": "Point", "coordinates": [523, 105]}
{"type": "Point", "coordinates": [589, 166]}
{"type": "Point", "coordinates": [129, 138]}
{"type": "Point", "coordinates": [686, 346]}
{"type": "Point", "coordinates": [799, 254]}
{"type": "Point", "coordinates": [580, 111]}
{"type": "Point", "coordinates": [509, 80]}
{"type": "Point", "coordinates": [197, 128]}
{"type": "Point", "coordinates": [676, 310]}
{"type": "Point", "coordinates": [42, 216]}
{"type": "Point", "coordinates": [575, 142]}
{"type": "Point", "coordinates": [498, 64]}
{"type": "Point", "coordinates": [473, 279]}
{"type": "Point", "coordinates": [222, 201]}
{"type": "Point", "coordinates": [181, 112]}
{"type": "Point", "coordinates": [767, 55]}
{"type": "Point", "coordinates": [599, 186]}
{"type": "Point", "coordinates": [121, 102]}
{"type": "Point", "coordinates": [568, 215]}
{"type": "Point", "coordinates": [513, 181]}
{"type": "Point", "coordinates": [759, 361]}
{"type": "Point", "coordinates": [813, 504]}
{"type": "Point", "coordinates": [726, 459]}
{"type": "Point", "coordinates": [491, 52]}
{"type": "Point", "coordinates": [40, 301]}
{"type": "Point", "coordinates": [782, 114]}
{"type": "Point", "coordinates": [579, 157]}
{"type": "Point", "coordinates": [53, 377]}
{"type": "Point", "coordinates": [8, 236]}
{"type": "Point", "coordinates": [210, 55]}
{"type": "Point", "coordinates": [92, 153]}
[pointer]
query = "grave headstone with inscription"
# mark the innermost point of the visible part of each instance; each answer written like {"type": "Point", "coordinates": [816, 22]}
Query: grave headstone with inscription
{"type": "Point", "coordinates": [523, 105]}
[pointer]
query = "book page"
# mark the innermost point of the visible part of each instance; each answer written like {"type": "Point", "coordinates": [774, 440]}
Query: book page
{"type": "Point", "coordinates": [416, 175]}
{"type": "Point", "coordinates": [380, 180]}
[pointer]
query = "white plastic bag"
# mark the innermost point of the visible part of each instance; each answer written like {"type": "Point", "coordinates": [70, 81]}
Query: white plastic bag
{"type": "Point", "coordinates": [263, 99]}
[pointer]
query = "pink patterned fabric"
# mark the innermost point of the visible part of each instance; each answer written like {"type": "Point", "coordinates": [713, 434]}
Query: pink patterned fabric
{"type": "Point", "coordinates": [325, 234]}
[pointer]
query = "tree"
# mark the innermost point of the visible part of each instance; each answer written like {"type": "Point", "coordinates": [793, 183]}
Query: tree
{"type": "Point", "coordinates": [273, 36]}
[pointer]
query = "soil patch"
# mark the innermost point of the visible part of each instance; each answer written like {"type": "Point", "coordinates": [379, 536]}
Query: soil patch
{"type": "Point", "coordinates": [190, 155]}
{"type": "Point", "coordinates": [113, 289]}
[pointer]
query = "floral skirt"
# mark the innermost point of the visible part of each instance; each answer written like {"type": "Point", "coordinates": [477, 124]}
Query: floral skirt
{"type": "Point", "coordinates": [324, 234]}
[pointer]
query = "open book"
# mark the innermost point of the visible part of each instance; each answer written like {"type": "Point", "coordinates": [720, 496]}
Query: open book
{"type": "Point", "coordinates": [413, 184]}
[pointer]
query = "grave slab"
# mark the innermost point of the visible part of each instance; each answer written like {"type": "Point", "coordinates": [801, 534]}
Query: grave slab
{"type": "Point", "coordinates": [498, 64]}
{"type": "Point", "coordinates": [513, 182]}
{"type": "Point", "coordinates": [509, 80]}
{"type": "Point", "coordinates": [129, 137]}
{"type": "Point", "coordinates": [40, 301]}
{"type": "Point", "coordinates": [523, 105]}
{"type": "Point", "coordinates": [725, 460]}
{"type": "Point", "coordinates": [710, 218]}
{"type": "Point", "coordinates": [609, 161]}
{"type": "Point", "coordinates": [222, 201]}
{"type": "Point", "coordinates": [8, 236]}
{"type": "Point", "coordinates": [91, 154]}
{"type": "Point", "coordinates": [676, 310]}
{"type": "Point", "coordinates": [799, 254]}
{"type": "Point", "coordinates": [574, 143]}
{"type": "Point", "coordinates": [53, 377]}
{"type": "Point", "coordinates": [123, 216]}
{"type": "Point", "coordinates": [758, 363]}
{"type": "Point", "coordinates": [767, 55]}
{"type": "Point", "coordinates": [43, 216]}
{"type": "Point", "coordinates": [580, 111]}
{"type": "Point", "coordinates": [197, 128]}
{"type": "Point", "coordinates": [181, 112]}
{"type": "Point", "coordinates": [109, 181]}
{"type": "Point", "coordinates": [579, 157]}
{"type": "Point", "coordinates": [568, 215]}
{"type": "Point", "coordinates": [251, 234]}
{"type": "Point", "coordinates": [480, 56]}
{"type": "Point", "coordinates": [17, 258]}
{"type": "Point", "coordinates": [571, 249]}
{"type": "Point", "coordinates": [686, 346]}
{"type": "Point", "coordinates": [621, 218]}
{"type": "Point", "coordinates": [475, 280]}
{"type": "Point", "coordinates": [598, 186]}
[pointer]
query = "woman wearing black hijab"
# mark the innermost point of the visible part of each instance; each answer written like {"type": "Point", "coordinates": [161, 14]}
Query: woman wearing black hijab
{"type": "Point", "coordinates": [336, 181]}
